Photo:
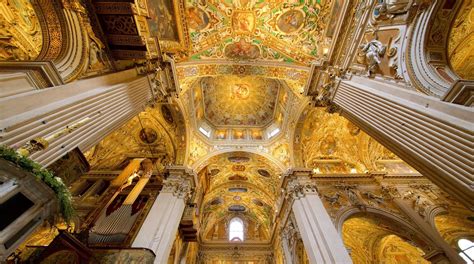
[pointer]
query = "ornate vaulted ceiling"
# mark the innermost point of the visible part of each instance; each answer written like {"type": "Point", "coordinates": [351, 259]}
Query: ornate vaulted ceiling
{"type": "Point", "coordinates": [156, 133]}
{"type": "Point", "coordinates": [244, 185]}
{"type": "Point", "coordinates": [239, 101]}
{"type": "Point", "coordinates": [282, 31]}
{"type": "Point", "coordinates": [332, 144]}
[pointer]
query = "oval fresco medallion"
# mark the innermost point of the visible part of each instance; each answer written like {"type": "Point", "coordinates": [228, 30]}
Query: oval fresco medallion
{"type": "Point", "coordinates": [216, 201]}
{"type": "Point", "coordinates": [197, 18]}
{"type": "Point", "coordinates": [236, 208]}
{"type": "Point", "coordinates": [291, 21]}
{"type": "Point", "coordinates": [166, 113]}
{"type": "Point", "coordinates": [264, 173]}
{"type": "Point", "coordinates": [237, 189]}
{"type": "Point", "coordinates": [148, 135]}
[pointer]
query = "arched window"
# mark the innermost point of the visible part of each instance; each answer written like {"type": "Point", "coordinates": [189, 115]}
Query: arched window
{"type": "Point", "coordinates": [466, 247]}
{"type": "Point", "coordinates": [236, 229]}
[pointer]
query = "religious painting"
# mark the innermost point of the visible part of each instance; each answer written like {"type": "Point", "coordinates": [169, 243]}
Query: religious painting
{"type": "Point", "coordinates": [148, 135]}
{"type": "Point", "coordinates": [242, 50]}
{"type": "Point", "coordinates": [197, 18]}
{"type": "Point", "coordinates": [166, 113]}
{"type": "Point", "coordinates": [291, 21]}
{"type": "Point", "coordinates": [70, 167]}
{"type": "Point", "coordinates": [335, 13]}
{"type": "Point", "coordinates": [240, 91]}
{"type": "Point", "coordinates": [162, 22]}
{"type": "Point", "coordinates": [243, 22]}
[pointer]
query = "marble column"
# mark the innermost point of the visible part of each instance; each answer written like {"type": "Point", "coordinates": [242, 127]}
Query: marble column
{"type": "Point", "coordinates": [160, 227]}
{"type": "Point", "coordinates": [78, 114]}
{"type": "Point", "coordinates": [434, 137]}
{"type": "Point", "coordinates": [322, 242]}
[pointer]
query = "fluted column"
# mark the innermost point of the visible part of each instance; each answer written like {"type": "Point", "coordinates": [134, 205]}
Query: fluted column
{"type": "Point", "coordinates": [434, 137]}
{"type": "Point", "coordinates": [322, 242]}
{"type": "Point", "coordinates": [49, 123]}
{"type": "Point", "coordinates": [160, 227]}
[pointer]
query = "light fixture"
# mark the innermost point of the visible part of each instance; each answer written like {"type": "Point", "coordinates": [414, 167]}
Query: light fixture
{"type": "Point", "coordinates": [353, 170]}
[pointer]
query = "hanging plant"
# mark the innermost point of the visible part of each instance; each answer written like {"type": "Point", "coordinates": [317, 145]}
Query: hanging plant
{"type": "Point", "coordinates": [55, 183]}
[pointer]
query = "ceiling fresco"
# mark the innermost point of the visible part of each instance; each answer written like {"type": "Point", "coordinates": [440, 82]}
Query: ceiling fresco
{"type": "Point", "coordinates": [239, 101]}
{"type": "Point", "coordinates": [294, 77]}
{"type": "Point", "coordinates": [372, 240]}
{"type": "Point", "coordinates": [330, 143]}
{"type": "Point", "coordinates": [244, 185]}
{"type": "Point", "coordinates": [280, 31]}
{"type": "Point", "coordinates": [156, 133]}
{"type": "Point", "coordinates": [461, 42]}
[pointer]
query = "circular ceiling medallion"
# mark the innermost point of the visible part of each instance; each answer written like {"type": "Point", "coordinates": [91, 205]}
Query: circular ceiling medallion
{"type": "Point", "coordinates": [148, 135]}
{"type": "Point", "coordinates": [291, 21]}
{"type": "Point", "coordinates": [237, 198]}
{"type": "Point", "coordinates": [197, 18]}
{"type": "Point", "coordinates": [264, 173]}
{"type": "Point", "coordinates": [166, 113]}
{"type": "Point", "coordinates": [240, 91]}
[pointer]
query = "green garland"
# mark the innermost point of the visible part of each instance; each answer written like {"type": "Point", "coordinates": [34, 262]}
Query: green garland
{"type": "Point", "coordinates": [55, 183]}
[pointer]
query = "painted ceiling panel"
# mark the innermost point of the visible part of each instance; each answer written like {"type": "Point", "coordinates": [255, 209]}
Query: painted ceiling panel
{"type": "Point", "coordinates": [283, 31]}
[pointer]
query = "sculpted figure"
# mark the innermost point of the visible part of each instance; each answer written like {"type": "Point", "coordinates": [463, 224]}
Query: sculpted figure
{"type": "Point", "coordinates": [374, 51]}
{"type": "Point", "coordinates": [390, 8]}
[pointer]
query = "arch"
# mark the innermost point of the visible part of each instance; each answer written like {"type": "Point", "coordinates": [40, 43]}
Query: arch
{"type": "Point", "coordinates": [348, 212]}
{"type": "Point", "coordinates": [383, 232]}
{"type": "Point", "coordinates": [236, 229]}
{"type": "Point", "coordinates": [204, 160]}
{"type": "Point", "coordinates": [428, 66]}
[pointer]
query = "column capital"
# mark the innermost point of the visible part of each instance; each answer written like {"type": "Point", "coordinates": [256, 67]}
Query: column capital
{"type": "Point", "coordinates": [180, 181]}
{"type": "Point", "coordinates": [298, 182]}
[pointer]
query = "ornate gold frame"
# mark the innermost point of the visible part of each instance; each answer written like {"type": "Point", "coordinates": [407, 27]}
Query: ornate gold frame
{"type": "Point", "coordinates": [183, 44]}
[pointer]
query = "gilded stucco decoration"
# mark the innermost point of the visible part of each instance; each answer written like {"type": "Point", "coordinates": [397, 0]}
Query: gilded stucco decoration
{"type": "Point", "coordinates": [150, 134]}
{"type": "Point", "coordinates": [249, 30]}
{"type": "Point", "coordinates": [454, 226]}
{"type": "Point", "coordinates": [330, 143]}
{"type": "Point", "coordinates": [197, 150]}
{"type": "Point", "coordinates": [241, 184]}
{"type": "Point", "coordinates": [373, 240]}
{"type": "Point", "coordinates": [20, 30]}
{"type": "Point", "coordinates": [295, 77]}
{"type": "Point", "coordinates": [233, 100]}
{"type": "Point", "coordinates": [461, 42]}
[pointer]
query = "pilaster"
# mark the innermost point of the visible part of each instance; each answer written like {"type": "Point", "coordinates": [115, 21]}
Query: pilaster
{"type": "Point", "coordinates": [432, 136]}
{"type": "Point", "coordinates": [161, 224]}
{"type": "Point", "coordinates": [322, 242]}
{"type": "Point", "coordinates": [46, 124]}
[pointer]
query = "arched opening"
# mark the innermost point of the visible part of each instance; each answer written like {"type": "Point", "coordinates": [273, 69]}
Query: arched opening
{"type": "Point", "coordinates": [466, 250]}
{"type": "Point", "coordinates": [372, 238]}
{"type": "Point", "coordinates": [458, 231]}
{"type": "Point", "coordinates": [236, 229]}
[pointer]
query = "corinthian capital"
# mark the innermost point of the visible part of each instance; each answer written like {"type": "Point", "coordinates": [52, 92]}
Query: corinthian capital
{"type": "Point", "coordinates": [180, 181]}
{"type": "Point", "coordinates": [298, 183]}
